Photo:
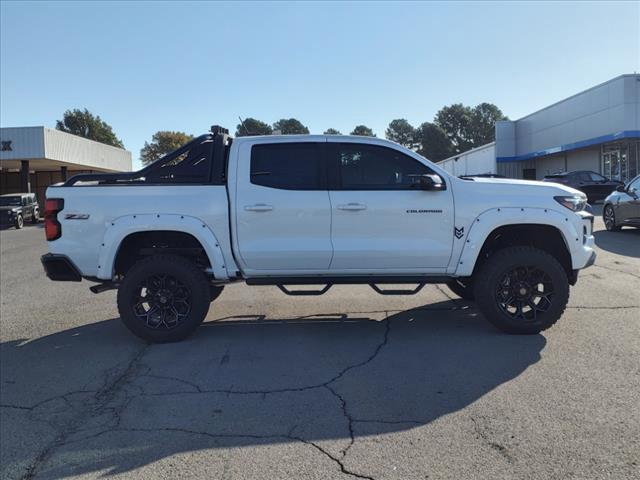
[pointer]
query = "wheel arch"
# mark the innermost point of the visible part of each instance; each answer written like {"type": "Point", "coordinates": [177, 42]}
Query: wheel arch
{"type": "Point", "coordinates": [179, 231]}
{"type": "Point", "coordinates": [545, 229]}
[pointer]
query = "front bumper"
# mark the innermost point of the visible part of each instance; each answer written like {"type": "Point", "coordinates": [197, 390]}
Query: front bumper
{"type": "Point", "coordinates": [60, 268]}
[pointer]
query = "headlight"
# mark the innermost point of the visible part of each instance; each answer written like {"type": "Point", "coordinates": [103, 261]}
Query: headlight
{"type": "Point", "coordinates": [575, 203]}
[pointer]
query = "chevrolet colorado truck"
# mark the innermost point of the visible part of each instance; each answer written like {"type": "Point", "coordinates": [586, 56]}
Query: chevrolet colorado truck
{"type": "Point", "coordinates": [304, 210]}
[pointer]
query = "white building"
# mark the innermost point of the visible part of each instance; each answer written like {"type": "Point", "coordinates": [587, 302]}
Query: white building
{"type": "Point", "coordinates": [32, 158]}
{"type": "Point", "coordinates": [598, 130]}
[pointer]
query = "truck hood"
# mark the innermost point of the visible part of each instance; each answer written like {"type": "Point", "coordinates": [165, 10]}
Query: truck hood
{"type": "Point", "coordinates": [9, 208]}
{"type": "Point", "coordinates": [519, 185]}
{"type": "Point", "coordinates": [483, 193]}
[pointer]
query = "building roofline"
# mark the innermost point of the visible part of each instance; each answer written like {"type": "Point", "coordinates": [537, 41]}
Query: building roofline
{"type": "Point", "coordinates": [636, 75]}
{"type": "Point", "coordinates": [66, 133]}
{"type": "Point", "coordinates": [458, 155]}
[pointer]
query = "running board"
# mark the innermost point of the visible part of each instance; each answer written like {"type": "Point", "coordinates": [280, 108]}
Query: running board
{"type": "Point", "coordinates": [328, 282]}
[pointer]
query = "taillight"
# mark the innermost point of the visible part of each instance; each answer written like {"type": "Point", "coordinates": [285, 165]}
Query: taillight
{"type": "Point", "coordinates": [52, 227]}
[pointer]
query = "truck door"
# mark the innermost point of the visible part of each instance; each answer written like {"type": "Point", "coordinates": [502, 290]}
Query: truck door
{"type": "Point", "coordinates": [283, 213]}
{"type": "Point", "coordinates": [381, 219]}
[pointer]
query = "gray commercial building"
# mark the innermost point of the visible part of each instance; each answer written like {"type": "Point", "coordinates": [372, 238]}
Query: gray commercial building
{"type": "Point", "coordinates": [597, 129]}
{"type": "Point", "coordinates": [32, 158]}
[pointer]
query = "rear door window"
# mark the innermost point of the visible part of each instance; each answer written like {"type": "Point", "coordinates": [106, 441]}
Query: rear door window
{"type": "Point", "coordinates": [289, 166]}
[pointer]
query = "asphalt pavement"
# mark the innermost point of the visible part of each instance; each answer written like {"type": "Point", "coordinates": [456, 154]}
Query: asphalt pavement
{"type": "Point", "coordinates": [347, 385]}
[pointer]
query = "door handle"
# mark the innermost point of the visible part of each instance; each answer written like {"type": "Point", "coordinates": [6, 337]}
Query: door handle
{"type": "Point", "coordinates": [259, 207]}
{"type": "Point", "coordinates": [353, 207]}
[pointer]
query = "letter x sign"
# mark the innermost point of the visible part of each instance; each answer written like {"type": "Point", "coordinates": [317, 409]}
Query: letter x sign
{"type": "Point", "coordinates": [6, 146]}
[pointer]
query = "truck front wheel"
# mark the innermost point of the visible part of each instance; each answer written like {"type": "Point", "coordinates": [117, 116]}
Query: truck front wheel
{"type": "Point", "coordinates": [163, 298]}
{"type": "Point", "coordinates": [523, 290]}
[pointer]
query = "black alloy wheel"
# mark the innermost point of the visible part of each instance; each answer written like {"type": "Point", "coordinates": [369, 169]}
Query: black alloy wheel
{"type": "Point", "coordinates": [523, 292]}
{"type": "Point", "coordinates": [163, 302]}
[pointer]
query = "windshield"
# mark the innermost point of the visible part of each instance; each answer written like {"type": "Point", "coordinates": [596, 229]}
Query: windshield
{"type": "Point", "coordinates": [10, 201]}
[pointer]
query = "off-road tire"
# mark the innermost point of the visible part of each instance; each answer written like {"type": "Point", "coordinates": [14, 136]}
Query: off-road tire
{"type": "Point", "coordinates": [462, 289]}
{"type": "Point", "coordinates": [189, 276]}
{"type": "Point", "coordinates": [491, 289]}
{"type": "Point", "coordinates": [19, 222]}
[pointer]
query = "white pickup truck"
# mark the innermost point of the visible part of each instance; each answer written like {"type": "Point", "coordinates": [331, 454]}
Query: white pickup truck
{"type": "Point", "coordinates": [313, 210]}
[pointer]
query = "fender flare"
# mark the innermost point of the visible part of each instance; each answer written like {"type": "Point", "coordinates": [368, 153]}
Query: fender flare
{"type": "Point", "coordinates": [489, 220]}
{"type": "Point", "coordinates": [120, 228]}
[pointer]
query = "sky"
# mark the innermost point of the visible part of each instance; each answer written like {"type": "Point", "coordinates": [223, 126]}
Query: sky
{"type": "Point", "coordinates": [149, 66]}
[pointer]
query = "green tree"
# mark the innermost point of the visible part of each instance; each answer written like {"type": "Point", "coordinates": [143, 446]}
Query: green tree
{"type": "Point", "coordinates": [253, 127]}
{"type": "Point", "coordinates": [455, 121]}
{"type": "Point", "coordinates": [162, 142]}
{"type": "Point", "coordinates": [468, 127]}
{"type": "Point", "coordinates": [483, 123]}
{"type": "Point", "coordinates": [401, 131]}
{"type": "Point", "coordinates": [432, 142]}
{"type": "Point", "coordinates": [363, 131]}
{"type": "Point", "coordinates": [85, 124]}
{"type": "Point", "coordinates": [290, 126]}
{"type": "Point", "coordinates": [332, 131]}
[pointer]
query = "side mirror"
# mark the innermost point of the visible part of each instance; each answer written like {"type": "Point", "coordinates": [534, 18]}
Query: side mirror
{"type": "Point", "coordinates": [620, 188]}
{"type": "Point", "coordinates": [431, 182]}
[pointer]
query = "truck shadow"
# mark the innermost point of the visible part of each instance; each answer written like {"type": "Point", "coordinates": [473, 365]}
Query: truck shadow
{"type": "Point", "coordinates": [625, 242]}
{"type": "Point", "coordinates": [320, 381]}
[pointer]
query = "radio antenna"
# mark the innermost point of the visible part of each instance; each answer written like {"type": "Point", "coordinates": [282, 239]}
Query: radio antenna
{"type": "Point", "coordinates": [244, 126]}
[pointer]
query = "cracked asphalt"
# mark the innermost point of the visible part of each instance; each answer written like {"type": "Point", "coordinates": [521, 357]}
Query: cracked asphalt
{"type": "Point", "coordinates": [347, 385]}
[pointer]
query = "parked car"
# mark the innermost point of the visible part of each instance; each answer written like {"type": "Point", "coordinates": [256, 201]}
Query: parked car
{"type": "Point", "coordinates": [16, 208]}
{"type": "Point", "coordinates": [313, 210]}
{"type": "Point", "coordinates": [622, 207]}
{"type": "Point", "coordinates": [594, 185]}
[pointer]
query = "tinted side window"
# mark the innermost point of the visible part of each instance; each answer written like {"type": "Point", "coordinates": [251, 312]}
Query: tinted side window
{"type": "Point", "coordinates": [583, 177]}
{"type": "Point", "coordinates": [289, 166]}
{"type": "Point", "coordinates": [596, 177]}
{"type": "Point", "coordinates": [372, 167]}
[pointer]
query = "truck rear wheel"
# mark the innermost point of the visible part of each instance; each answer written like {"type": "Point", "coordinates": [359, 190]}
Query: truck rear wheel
{"type": "Point", "coordinates": [524, 290]}
{"type": "Point", "coordinates": [163, 298]}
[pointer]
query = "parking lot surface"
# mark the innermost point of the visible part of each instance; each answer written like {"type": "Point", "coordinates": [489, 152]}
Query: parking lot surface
{"type": "Point", "coordinates": [347, 385]}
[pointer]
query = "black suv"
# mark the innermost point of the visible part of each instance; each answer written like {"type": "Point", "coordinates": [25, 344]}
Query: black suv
{"type": "Point", "coordinates": [15, 208]}
{"type": "Point", "coordinates": [594, 185]}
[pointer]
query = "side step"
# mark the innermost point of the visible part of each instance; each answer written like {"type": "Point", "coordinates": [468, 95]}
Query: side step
{"type": "Point", "coordinates": [328, 282]}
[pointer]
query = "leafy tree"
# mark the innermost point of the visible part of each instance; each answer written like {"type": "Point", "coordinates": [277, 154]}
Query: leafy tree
{"type": "Point", "coordinates": [332, 131]}
{"type": "Point", "coordinates": [363, 131]}
{"type": "Point", "coordinates": [162, 142]}
{"type": "Point", "coordinates": [468, 127]}
{"type": "Point", "coordinates": [432, 142]}
{"type": "Point", "coordinates": [290, 126]}
{"type": "Point", "coordinates": [85, 124]}
{"type": "Point", "coordinates": [455, 121]}
{"type": "Point", "coordinates": [401, 131]}
{"type": "Point", "coordinates": [483, 123]}
{"type": "Point", "coordinates": [253, 127]}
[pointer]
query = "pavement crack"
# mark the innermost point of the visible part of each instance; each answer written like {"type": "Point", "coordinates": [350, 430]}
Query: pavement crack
{"type": "Point", "coordinates": [101, 399]}
{"type": "Point", "coordinates": [499, 448]}
{"type": "Point", "coordinates": [338, 461]}
{"type": "Point", "coordinates": [616, 270]}
{"type": "Point", "coordinates": [587, 307]}
{"type": "Point", "coordinates": [345, 413]}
